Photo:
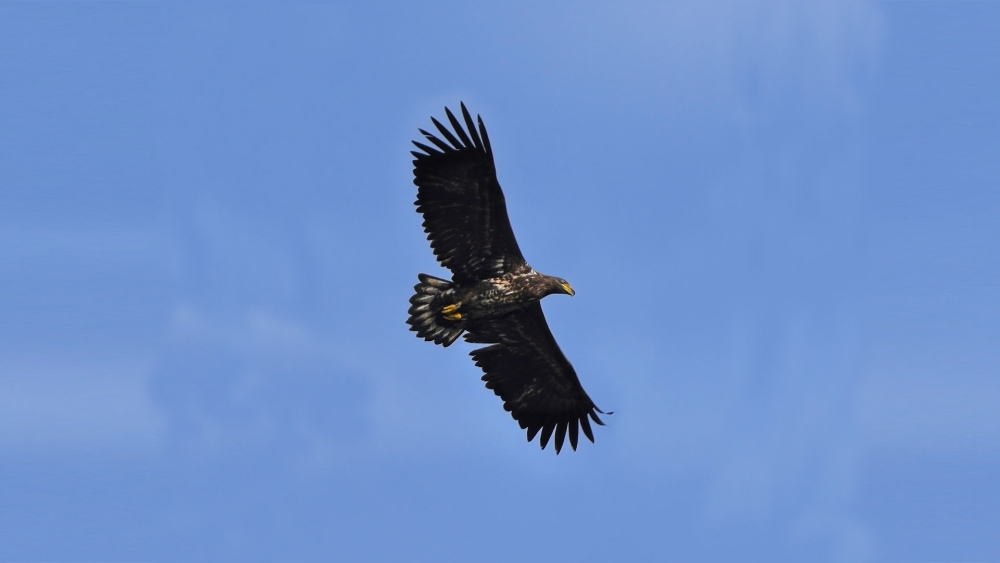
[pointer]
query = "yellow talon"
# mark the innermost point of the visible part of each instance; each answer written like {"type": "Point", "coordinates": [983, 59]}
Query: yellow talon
{"type": "Point", "coordinates": [453, 316]}
{"type": "Point", "coordinates": [447, 309]}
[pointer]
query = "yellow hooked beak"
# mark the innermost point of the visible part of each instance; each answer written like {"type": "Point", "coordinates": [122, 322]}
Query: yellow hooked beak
{"type": "Point", "coordinates": [568, 289]}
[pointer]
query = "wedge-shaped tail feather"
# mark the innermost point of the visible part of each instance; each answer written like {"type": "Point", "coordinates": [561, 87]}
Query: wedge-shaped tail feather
{"type": "Point", "coordinates": [425, 312]}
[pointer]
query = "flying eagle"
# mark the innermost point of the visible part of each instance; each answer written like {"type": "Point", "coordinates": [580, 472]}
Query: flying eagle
{"type": "Point", "coordinates": [494, 295]}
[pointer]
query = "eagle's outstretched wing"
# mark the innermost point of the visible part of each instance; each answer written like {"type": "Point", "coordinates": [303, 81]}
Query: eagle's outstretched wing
{"type": "Point", "coordinates": [526, 369]}
{"type": "Point", "coordinates": [465, 215]}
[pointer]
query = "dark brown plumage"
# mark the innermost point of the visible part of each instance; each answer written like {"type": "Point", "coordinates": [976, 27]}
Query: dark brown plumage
{"type": "Point", "coordinates": [494, 295]}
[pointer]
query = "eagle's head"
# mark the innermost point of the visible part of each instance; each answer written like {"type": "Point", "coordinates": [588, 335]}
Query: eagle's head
{"type": "Point", "coordinates": [558, 285]}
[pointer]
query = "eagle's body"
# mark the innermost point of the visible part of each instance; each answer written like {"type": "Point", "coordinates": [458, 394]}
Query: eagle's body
{"type": "Point", "coordinates": [494, 295]}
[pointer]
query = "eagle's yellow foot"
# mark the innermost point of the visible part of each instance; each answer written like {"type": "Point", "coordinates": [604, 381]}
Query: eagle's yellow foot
{"type": "Point", "coordinates": [451, 313]}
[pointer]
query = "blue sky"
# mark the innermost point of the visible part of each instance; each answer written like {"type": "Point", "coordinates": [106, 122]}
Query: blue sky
{"type": "Point", "coordinates": [780, 219]}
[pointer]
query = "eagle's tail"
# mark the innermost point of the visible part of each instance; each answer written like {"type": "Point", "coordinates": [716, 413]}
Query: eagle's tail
{"type": "Point", "coordinates": [426, 317]}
